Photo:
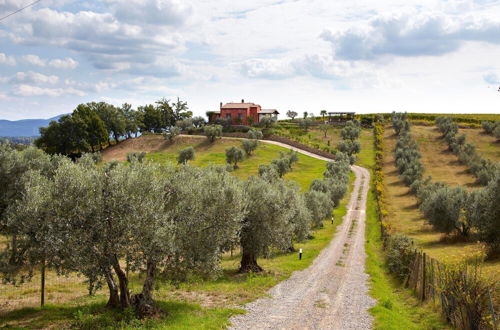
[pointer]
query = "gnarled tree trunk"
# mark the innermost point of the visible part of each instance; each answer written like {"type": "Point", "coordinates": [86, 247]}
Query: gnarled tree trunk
{"type": "Point", "coordinates": [123, 282]}
{"type": "Point", "coordinates": [114, 299]}
{"type": "Point", "coordinates": [249, 263]}
{"type": "Point", "coordinates": [143, 302]}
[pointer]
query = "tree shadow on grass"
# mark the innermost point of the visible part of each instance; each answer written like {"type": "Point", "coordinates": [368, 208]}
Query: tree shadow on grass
{"type": "Point", "coordinates": [37, 318]}
{"type": "Point", "coordinates": [178, 315]}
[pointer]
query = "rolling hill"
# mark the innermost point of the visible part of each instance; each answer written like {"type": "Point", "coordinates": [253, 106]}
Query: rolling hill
{"type": "Point", "coordinates": [24, 127]}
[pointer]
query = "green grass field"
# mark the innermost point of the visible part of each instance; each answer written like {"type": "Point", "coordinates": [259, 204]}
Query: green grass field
{"type": "Point", "coordinates": [303, 172]}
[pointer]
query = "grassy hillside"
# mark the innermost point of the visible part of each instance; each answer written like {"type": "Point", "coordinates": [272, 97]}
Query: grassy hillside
{"type": "Point", "coordinates": [206, 153]}
{"type": "Point", "coordinates": [404, 215]}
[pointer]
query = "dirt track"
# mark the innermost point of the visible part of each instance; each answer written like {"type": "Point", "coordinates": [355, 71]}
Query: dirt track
{"type": "Point", "coordinates": [332, 293]}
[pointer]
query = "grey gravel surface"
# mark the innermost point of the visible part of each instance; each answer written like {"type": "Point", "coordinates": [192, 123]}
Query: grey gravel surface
{"type": "Point", "coordinates": [332, 293]}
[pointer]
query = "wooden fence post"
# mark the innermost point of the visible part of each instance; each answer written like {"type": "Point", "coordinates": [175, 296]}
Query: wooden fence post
{"type": "Point", "coordinates": [424, 267]}
{"type": "Point", "coordinates": [492, 310]}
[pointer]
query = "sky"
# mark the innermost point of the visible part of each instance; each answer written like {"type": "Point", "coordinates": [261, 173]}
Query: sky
{"type": "Point", "coordinates": [303, 55]}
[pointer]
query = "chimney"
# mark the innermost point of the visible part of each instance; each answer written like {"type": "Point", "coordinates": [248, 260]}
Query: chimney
{"type": "Point", "coordinates": [221, 105]}
{"type": "Point", "coordinates": [242, 101]}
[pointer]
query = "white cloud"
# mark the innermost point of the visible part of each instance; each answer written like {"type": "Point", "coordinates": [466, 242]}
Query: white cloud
{"type": "Point", "coordinates": [94, 87]}
{"type": "Point", "coordinates": [66, 63]}
{"type": "Point", "coordinates": [411, 35]}
{"type": "Point", "coordinates": [108, 41]}
{"type": "Point", "coordinates": [491, 78]}
{"type": "Point", "coordinates": [8, 60]}
{"type": "Point", "coordinates": [31, 77]}
{"type": "Point", "coordinates": [29, 90]}
{"type": "Point", "coordinates": [157, 12]}
{"type": "Point", "coordinates": [34, 60]}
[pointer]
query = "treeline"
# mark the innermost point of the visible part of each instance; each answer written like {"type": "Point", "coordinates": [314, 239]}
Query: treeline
{"type": "Point", "coordinates": [484, 169]}
{"type": "Point", "coordinates": [460, 290]}
{"type": "Point", "coordinates": [155, 219]}
{"type": "Point", "coordinates": [448, 209]}
{"type": "Point", "coordinates": [92, 125]}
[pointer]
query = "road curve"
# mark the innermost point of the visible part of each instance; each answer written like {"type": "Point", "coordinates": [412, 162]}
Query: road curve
{"type": "Point", "coordinates": [332, 293]}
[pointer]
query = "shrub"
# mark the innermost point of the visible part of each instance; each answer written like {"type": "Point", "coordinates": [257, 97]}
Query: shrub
{"type": "Point", "coordinates": [172, 133]}
{"type": "Point", "coordinates": [489, 126]}
{"type": "Point", "coordinates": [185, 124]}
{"type": "Point", "coordinates": [185, 155]}
{"type": "Point", "coordinates": [465, 296]}
{"type": "Point", "coordinates": [400, 254]}
{"type": "Point", "coordinates": [136, 157]}
{"type": "Point", "coordinates": [267, 122]}
{"type": "Point", "coordinates": [254, 134]}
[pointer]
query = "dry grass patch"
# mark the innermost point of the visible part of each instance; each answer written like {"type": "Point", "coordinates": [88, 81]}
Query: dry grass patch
{"type": "Point", "coordinates": [440, 163]}
{"type": "Point", "coordinates": [486, 145]}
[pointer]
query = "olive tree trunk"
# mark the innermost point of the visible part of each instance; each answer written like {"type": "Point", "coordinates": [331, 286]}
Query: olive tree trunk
{"type": "Point", "coordinates": [249, 263]}
{"type": "Point", "coordinates": [114, 299]}
{"type": "Point", "coordinates": [123, 282]}
{"type": "Point", "coordinates": [143, 302]}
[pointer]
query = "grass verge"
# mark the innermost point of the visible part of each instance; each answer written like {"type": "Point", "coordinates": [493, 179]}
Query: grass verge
{"type": "Point", "coordinates": [396, 308]}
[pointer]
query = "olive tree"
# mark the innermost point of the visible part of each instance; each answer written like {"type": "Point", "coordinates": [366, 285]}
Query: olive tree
{"type": "Point", "coordinates": [172, 133]}
{"type": "Point", "coordinates": [291, 114]}
{"type": "Point", "coordinates": [185, 155]}
{"type": "Point", "coordinates": [320, 205]}
{"type": "Point", "coordinates": [185, 124]}
{"type": "Point", "coordinates": [483, 211]}
{"type": "Point", "coordinates": [349, 147]}
{"type": "Point", "coordinates": [350, 131]}
{"type": "Point", "coordinates": [249, 146]}
{"type": "Point", "coordinates": [444, 207]}
{"type": "Point", "coordinates": [212, 132]}
{"type": "Point", "coordinates": [254, 134]}
{"type": "Point", "coordinates": [234, 155]}
{"type": "Point", "coordinates": [267, 223]}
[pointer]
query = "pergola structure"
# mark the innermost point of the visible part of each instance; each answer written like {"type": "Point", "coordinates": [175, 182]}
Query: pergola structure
{"type": "Point", "coordinates": [340, 117]}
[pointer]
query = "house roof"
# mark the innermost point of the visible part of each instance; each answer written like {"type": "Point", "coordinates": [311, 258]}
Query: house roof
{"type": "Point", "coordinates": [272, 111]}
{"type": "Point", "coordinates": [239, 105]}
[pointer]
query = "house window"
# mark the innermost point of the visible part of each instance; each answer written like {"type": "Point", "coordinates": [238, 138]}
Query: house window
{"type": "Point", "coordinates": [240, 116]}
{"type": "Point", "coordinates": [228, 116]}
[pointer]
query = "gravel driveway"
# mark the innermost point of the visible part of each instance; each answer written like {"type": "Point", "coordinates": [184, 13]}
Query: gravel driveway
{"type": "Point", "coordinates": [332, 293]}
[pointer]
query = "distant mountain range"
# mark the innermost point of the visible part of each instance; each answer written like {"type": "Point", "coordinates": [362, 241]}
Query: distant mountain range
{"type": "Point", "coordinates": [25, 127]}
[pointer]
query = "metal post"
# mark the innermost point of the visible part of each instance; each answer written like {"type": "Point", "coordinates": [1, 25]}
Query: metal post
{"type": "Point", "coordinates": [300, 254]}
{"type": "Point", "coordinates": [42, 285]}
